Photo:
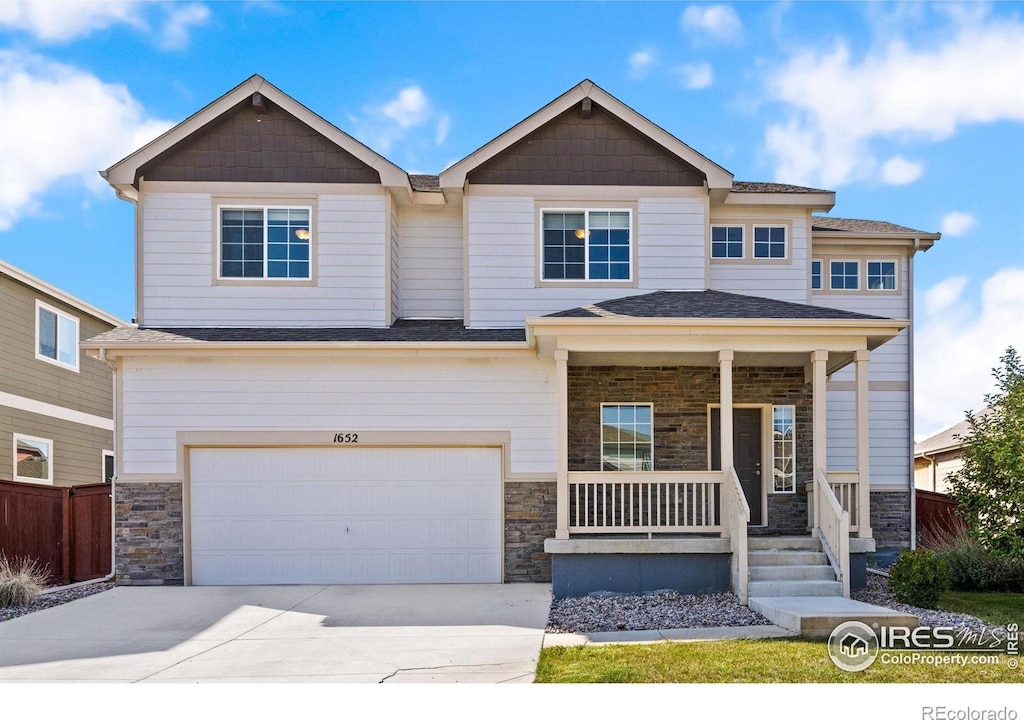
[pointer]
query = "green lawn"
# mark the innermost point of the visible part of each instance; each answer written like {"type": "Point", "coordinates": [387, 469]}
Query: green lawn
{"type": "Point", "coordinates": [741, 661]}
{"type": "Point", "coordinates": [992, 607]}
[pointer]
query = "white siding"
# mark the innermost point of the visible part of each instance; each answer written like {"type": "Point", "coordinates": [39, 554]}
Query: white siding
{"type": "Point", "coordinates": [162, 397]}
{"type": "Point", "coordinates": [774, 280]}
{"type": "Point", "coordinates": [431, 274]}
{"type": "Point", "coordinates": [503, 262]}
{"type": "Point", "coordinates": [178, 290]}
{"type": "Point", "coordinates": [396, 261]}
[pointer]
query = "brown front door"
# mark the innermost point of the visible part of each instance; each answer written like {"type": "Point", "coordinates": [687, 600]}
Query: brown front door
{"type": "Point", "coordinates": [746, 442]}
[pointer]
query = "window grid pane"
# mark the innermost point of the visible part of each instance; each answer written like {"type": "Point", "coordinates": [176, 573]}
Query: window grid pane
{"type": "Point", "coordinates": [627, 438]}
{"type": "Point", "coordinates": [564, 246]}
{"type": "Point", "coordinates": [241, 243]}
{"type": "Point", "coordinates": [844, 275]}
{"type": "Point", "coordinates": [770, 242]}
{"type": "Point", "coordinates": [47, 333]}
{"type": "Point", "coordinates": [784, 449]}
{"type": "Point", "coordinates": [882, 275]}
{"type": "Point", "coordinates": [67, 341]}
{"type": "Point", "coordinates": [609, 245]}
{"type": "Point", "coordinates": [727, 242]}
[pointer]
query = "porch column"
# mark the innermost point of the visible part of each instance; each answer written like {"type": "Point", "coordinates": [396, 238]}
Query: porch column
{"type": "Point", "coordinates": [725, 358]}
{"type": "Point", "coordinates": [820, 452]}
{"type": "Point", "coordinates": [863, 448]}
{"type": "Point", "coordinates": [562, 443]}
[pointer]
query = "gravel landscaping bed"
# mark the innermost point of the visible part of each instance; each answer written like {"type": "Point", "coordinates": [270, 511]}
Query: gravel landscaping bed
{"type": "Point", "coordinates": [660, 610]}
{"type": "Point", "coordinates": [53, 599]}
{"type": "Point", "coordinates": [877, 593]}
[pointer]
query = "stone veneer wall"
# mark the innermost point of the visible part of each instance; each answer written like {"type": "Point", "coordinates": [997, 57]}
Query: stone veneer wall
{"type": "Point", "coordinates": [680, 396]}
{"type": "Point", "coordinates": [529, 520]}
{"type": "Point", "coordinates": [148, 534]}
{"type": "Point", "coordinates": [890, 519]}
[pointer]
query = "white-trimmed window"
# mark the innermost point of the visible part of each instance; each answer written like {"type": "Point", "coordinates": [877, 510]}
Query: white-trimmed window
{"type": "Point", "coordinates": [627, 437]}
{"type": "Point", "coordinates": [881, 274]}
{"type": "Point", "coordinates": [727, 241]}
{"type": "Point", "coordinates": [56, 336]}
{"type": "Point", "coordinates": [770, 242]}
{"type": "Point", "coordinates": [815, 274]}
{"type": "Point", "coordinates": [784, 449]}
{"type": "Point", "coordinates": [587, 245]}
{"type": "Point", "coordinates": [844, 275]}
{"type": "Point", "coordinates": [109, 471]}
{"type": "Point", "coordinates": [270, 243]}
{"type": "Point", "coordinates": [33, 459]}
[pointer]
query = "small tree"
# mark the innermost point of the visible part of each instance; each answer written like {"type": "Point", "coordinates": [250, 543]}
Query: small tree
{"type": "Point", "coordinates": [990, 487]}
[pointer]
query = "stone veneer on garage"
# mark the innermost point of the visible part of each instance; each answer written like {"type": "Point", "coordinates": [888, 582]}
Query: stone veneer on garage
{"type": "Point", "coordinates": [530, 511]}
{"type": "Point", "coordinates": [148, 534]}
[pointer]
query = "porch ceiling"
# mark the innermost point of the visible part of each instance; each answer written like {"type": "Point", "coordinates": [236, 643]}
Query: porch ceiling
{"type": "Point", "coordinates": [836, 360]}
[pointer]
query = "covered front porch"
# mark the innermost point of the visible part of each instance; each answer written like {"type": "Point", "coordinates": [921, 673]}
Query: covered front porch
{"type": "Point", "coordinates": [680, 437]}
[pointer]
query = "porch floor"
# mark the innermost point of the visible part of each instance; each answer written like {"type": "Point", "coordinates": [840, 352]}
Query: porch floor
{"type": "Point", "coordinates": [817, 617]}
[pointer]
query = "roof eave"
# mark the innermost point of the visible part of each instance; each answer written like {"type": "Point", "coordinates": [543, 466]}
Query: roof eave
{"type": "Point", "coordinates": [143, 346]}
{"type": "Point", "coordinates": [820, 201]}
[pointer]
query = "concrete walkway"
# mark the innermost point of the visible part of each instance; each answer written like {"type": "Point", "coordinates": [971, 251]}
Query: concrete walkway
{"type": "Point", "coordinates": [361, 633]}
{"type": "Point", "coordinates": [817, 617]}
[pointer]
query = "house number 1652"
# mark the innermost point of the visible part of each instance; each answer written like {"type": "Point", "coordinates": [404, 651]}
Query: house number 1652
{"type": "Point", "coordinates": [346, 438]}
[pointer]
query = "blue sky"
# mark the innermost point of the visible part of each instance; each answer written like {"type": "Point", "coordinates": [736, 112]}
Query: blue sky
{"type": "Point", "coordinates": [912, 112]}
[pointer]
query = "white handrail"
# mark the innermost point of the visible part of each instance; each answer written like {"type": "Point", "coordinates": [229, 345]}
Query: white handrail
{"type": "Point", "coordinates": [832, 525]}
{"type": "Point", "coordinates": [735, 517]}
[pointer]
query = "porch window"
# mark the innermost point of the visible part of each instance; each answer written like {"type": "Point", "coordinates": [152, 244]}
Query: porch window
{"type": "Point", "coordinates": [627, 437]}
{"type": "Point", "coordinates": [784, 449]}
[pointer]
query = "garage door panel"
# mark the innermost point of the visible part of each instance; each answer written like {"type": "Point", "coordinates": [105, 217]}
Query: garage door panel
{"type": "Point", "coordinates": [345, 515]}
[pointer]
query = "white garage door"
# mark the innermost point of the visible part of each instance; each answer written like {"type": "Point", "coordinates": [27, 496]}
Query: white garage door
{"type": "Point", "coordinates": [345, 515]}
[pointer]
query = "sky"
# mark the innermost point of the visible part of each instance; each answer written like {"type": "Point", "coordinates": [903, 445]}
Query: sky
{"type": "Point", "coordinates": [912, 112]}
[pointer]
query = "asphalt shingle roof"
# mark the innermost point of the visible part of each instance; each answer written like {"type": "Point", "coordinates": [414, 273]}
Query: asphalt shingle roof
{"type": "Point", "coordinates": [835, 224]}
{"type": "Point", "coordinates": [425, 183]}
{"type": "Point", "coordinates": [708, 304]}
{"type": "Point", "coordinates": [950, 438]}
{"type": "Point", "coordinates": [740, 186]}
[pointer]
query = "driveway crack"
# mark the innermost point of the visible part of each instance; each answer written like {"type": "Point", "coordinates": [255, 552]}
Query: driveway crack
{"type": "Point", "coordinates": [444, 667]}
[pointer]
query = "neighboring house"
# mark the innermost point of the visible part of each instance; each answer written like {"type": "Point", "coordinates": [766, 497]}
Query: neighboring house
{"type": "Point", "coordinates": [56, 405]}
{"type": "Point", "coordinates": [941, 455]}
{"type": "Point", "coordinates": [584, 350]}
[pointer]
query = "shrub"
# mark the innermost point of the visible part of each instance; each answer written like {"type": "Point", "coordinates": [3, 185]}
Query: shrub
{"type": "Point", "coordinates": [21, 581]}
{"type": "Point", "coordinates": [973, 567]}
{"type": "Point", "coordinates": [918, 578]}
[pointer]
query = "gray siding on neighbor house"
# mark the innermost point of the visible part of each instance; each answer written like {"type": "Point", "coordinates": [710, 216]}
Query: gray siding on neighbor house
{"type": "Point", "coordinates": [77, 449]}
{"type": "Point", "coordinates": [90, 390]}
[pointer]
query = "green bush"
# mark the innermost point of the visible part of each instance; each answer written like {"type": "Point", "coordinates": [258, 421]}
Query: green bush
{"type": "Point", "coordinates": [972, 567]}
{"type": "Point", "coordinates": [918, 578]}
{"type": "Point", "coordinates": [21, 581]}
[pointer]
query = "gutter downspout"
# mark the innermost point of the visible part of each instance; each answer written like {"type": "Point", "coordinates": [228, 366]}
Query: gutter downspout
{"type": "Point", "coordinates": [117, 463]}
{"type": "Point", "coordinates": [910, 305]}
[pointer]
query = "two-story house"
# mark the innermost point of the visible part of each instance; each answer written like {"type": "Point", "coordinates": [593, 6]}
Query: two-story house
{"type": "Point", "coordinates": [584, 350]}
{"type": "Point", "coordinates": [56, 405]}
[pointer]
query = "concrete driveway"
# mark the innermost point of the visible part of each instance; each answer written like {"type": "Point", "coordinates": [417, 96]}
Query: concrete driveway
{"type": "Point", "coordinates": [335, 633]}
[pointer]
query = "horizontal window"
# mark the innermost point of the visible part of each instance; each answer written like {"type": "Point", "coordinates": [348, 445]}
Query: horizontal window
{"type": "Point", "coordinates": [627, 437]}
{"type": "Point", "coordinates": [815, 274]}
{"type": "Point", "coordinates": [586, 244]}
{"type": "Point", "coordinates": [881, 274]}
{"type": "Point", "coordinates": [727, 241]}
{"type": "Point", "coordinates": [268, 243]}
{"type": "Point", "coordinates": [844, 275]}
{"type": "Point", "coordinates": [56, 336]}
{"type": "Point", "coordinates": [33, 459]}
{"type": "Point", "coordinates": [770, 242]}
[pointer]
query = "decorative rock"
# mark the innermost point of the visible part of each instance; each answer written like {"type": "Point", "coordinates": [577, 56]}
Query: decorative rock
{"type": "Point", "coordinates": [659, 611]}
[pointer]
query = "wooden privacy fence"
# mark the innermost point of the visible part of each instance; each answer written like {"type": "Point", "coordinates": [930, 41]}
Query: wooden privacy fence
{"type": "Point", "coordinates": [937, 517]}
{"type": "Point", "coordinates": [66, 529]}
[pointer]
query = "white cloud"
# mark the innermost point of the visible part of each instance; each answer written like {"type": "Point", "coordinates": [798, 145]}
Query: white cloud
{"type": "Point", "coordinates": [695, 76]}
{"type": "Point", "coordinates": [897, 170]}
{"type": "Point", "coordinates": [958, 342]}
{"type": "Point", "coordinates": [380, 126]}
{"type": "Point", "coordinates": [409, 108]}
{"type": "Point", "coordinates": [640, 63]}
{"type": "Point", "coordinates": [59, 123]}
{"type": "Point", "coordinates": [719, 21]}
{"type": "Point", "coordinates": [839, 107]}
{"type": "Point", "coordinates": [956, 224]}
{"type": "Point", "coordinates": [444, 123]}
{"type": "Point", "coordinates": [180, 21]}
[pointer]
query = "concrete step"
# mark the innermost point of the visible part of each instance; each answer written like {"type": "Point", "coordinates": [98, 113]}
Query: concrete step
{"type": "Point", "coordinates": [816, 617]}
{"type": "Point", "coordinates": [786, 557]}
{"type": "Point", "coordinates": [797, 542]}
{"type": "Point", "coordinates": [791, 572]}
{"type": "Point", "coordinates": [795, 588]}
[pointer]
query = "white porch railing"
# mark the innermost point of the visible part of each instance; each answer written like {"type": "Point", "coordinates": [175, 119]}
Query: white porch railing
{"type": "Point", "coordinates": [832, 526]}
{"type": "Point", "coordinates": [735, 517]}
{"type": "Point", "coordinates": [645, 502]}
{"type": "Point", "coordinates": [846, 486]}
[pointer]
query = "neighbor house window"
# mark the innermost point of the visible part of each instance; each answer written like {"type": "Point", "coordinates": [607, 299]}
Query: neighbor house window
{"type": "Point", "coordinates": [587, 244]}
{"type": "Point", "coordinates": [270, 242]}
{"type": "Point", "coordinates": [56, 336]}
{"type": "Point", "coordinates": [108, 466]}
{"type": "Point", "coordinates": [727, 241]}
{"type": "Point", "coordinates": [881, 274]}
{"type": "Point", "coordinates": [627, 437]}
{"type": "Point", "coordinates": [770, 242]}
{"type": "Point", "coordinates": [784, 448]}
{"type": "Point", "coordinates": [844, 275]}
{"type": "Point", "coordinates": [33, 459]}
{"type": "Point", "coordinates": [815, 274]}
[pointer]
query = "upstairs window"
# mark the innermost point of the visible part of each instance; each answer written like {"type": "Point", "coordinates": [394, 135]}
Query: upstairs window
{"type": "Point", "coordinates": [627, 437]}
{"type": "Point", "coordinates": [56, 337]}
{"type": "Point", "coordinates": [271, 243]}
{"type": "Point", "coordinates": [844, 275]}
{"type": "Point", "coordinates": [815, 274]}
{"type": "Point", "coordinates": [727, 241]}
{"type": "Point", "coordinates": [770, 242]}
{"type": "Point", "coordinates": [587, 244]}
{"type": "Point", "coordinates": [881, 274]}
